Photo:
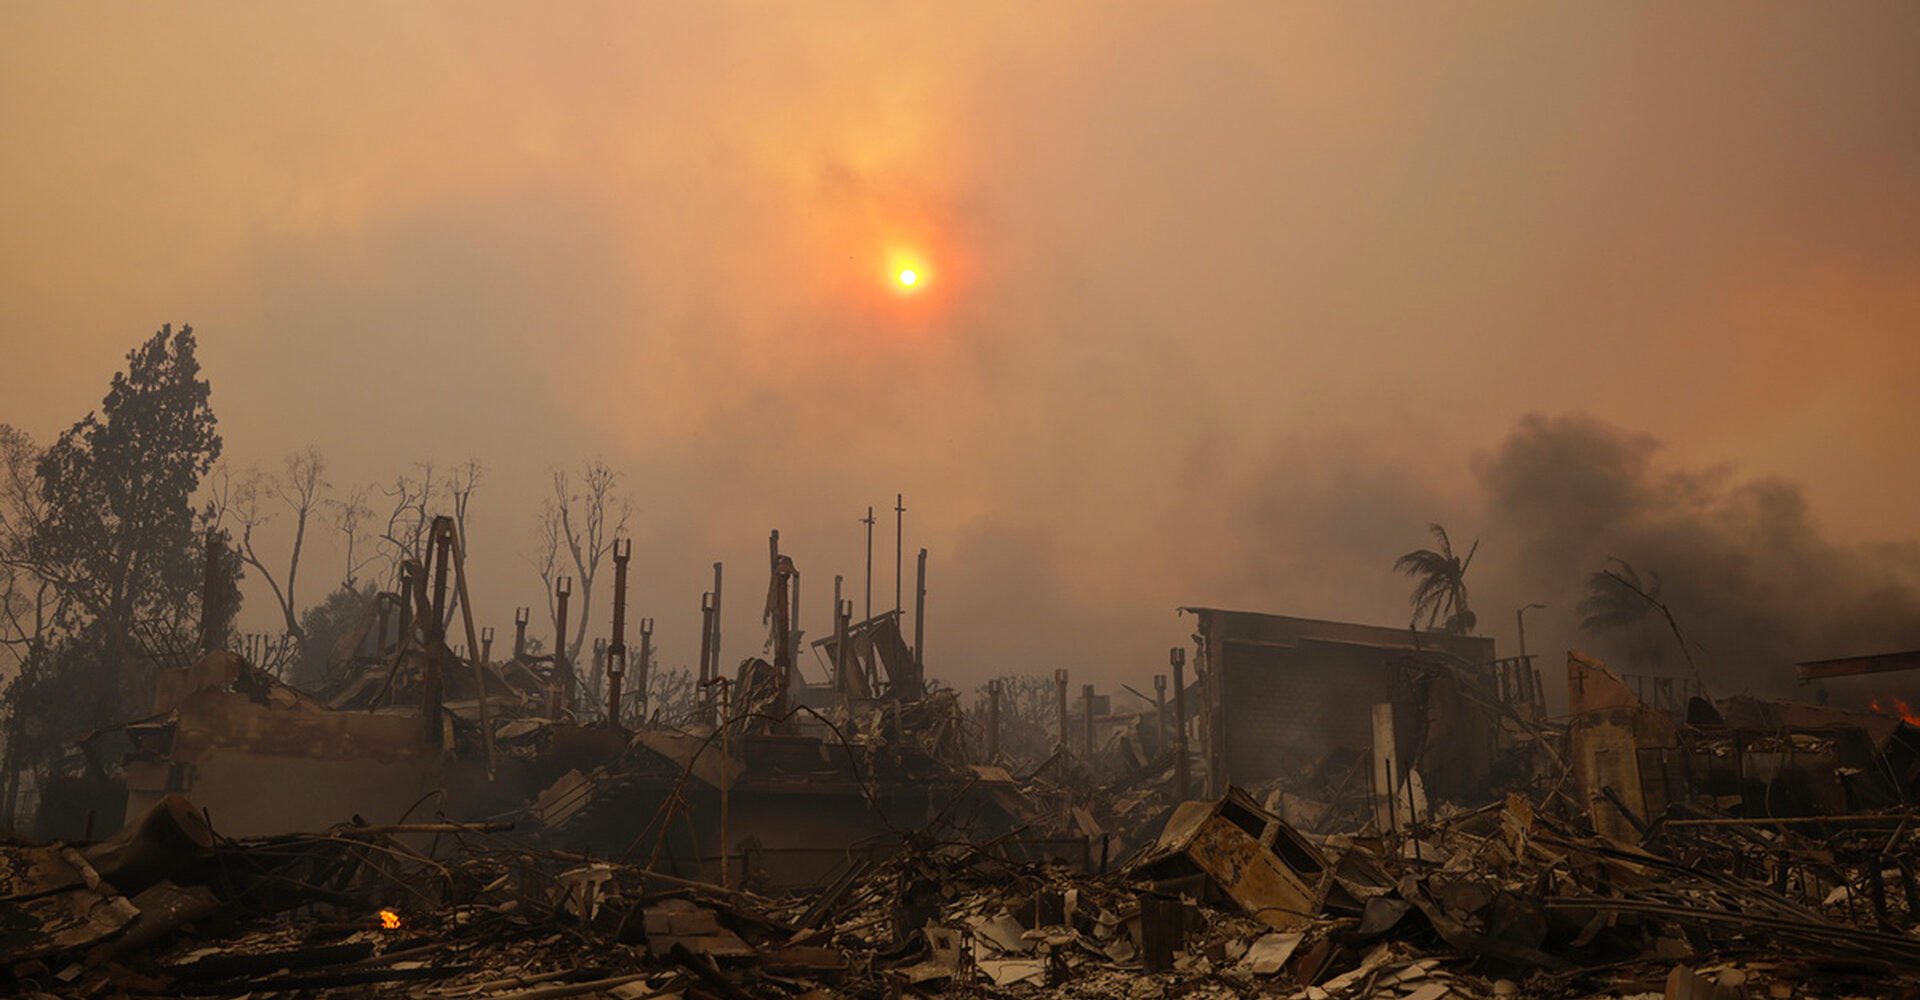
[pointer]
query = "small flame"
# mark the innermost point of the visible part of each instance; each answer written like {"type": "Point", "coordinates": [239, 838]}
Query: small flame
{"type": "Point", "coordinates": [1895, 706]}
{"type": "Point", "coordinates": [389, 920]}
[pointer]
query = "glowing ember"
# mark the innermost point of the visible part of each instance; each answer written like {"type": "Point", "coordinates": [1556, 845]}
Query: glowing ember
{"type": "Point", "coordinates": [1890, 705]}
{"type": "Point", "coordinates": [390, 920]}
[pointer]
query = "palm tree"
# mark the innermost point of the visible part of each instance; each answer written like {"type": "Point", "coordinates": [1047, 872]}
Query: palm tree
{"type": "Point", "coordinates": [1441, 591]}
{"type": "Point", "coordinates": [1622, 599]}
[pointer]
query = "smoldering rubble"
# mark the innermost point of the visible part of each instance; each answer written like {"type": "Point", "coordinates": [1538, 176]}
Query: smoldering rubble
{"type": "Point", "coordinates": [1315, 809]}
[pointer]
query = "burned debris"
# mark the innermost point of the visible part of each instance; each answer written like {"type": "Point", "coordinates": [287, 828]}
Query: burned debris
{"type": "Point", "coordinates": [1319, 810]}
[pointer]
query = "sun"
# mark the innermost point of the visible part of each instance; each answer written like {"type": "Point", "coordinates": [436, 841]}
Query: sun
{"type": "Point", "coordinates": [909, 277]}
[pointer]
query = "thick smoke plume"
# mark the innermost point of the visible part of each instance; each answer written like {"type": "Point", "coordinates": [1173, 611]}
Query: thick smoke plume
{"type": "Point", "coordinates": [1753, 581]}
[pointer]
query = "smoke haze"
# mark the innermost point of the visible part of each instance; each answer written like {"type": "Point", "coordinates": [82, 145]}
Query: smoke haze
{"type": "Point", "coordinates": [1220, 305]}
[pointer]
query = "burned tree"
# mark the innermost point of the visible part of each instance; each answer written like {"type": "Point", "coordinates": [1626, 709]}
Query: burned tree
{"type": "Point", "coordinates": [104, 535]}
{"type": "Point", "coordinates": [350, 515]}
{"type": "Point", "coordinates": [299, 486]}
{"type": "Point", "coordinates": [578, 524]}
{"type": "Point", "coordinates": [1021, 716]}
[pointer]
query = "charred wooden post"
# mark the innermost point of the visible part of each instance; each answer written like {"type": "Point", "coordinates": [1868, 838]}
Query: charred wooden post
{"type": "Point", "coordinates": [431, 694]}
{"type": "Point", "coordinates": [213, 617]}
{"type": "Point", "coordinates": [839, 640]}
{"type": "Point", "coordinates": [793, 612]}
{"type": "Point", "coordinates": [1182, 781]}
{"type": "Point", "coordinates": [1911, 886]}
{"type": "Point", "coordinates": [474, 645]}
{"type": "Point", "coordinates": [714, 671]}
{"type": "Point", "coordinates": [920, 618]}
{"type": "Point", "coordinates": [521, 616]}
{"type": "Point", "coordinates": [562, 673]}
{"type": "Point", "coordinates": [993, 720]}
{"type": "Point", "coordinates": [1877, 893]}
{"type": "Point", "coordinates": [1060, 696]}
{"type": "Point", "coordinates": [780, 606]}
{"type": "Point", "coordinates": [706, 637]}
{"type": "Point", "coordinates": [843, 664]}
{"type": "Point", "coordinates": [617, 647]}
{"type": "Point", "coordinates": [486, 644]}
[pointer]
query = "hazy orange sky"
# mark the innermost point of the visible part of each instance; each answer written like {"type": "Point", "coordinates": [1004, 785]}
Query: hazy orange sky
{"type": "Point", "coordinates": [1219, 302]}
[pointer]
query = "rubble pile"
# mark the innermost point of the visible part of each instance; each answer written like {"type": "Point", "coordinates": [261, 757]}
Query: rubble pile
{"type": "Point", "coordinates": [1511, 899]}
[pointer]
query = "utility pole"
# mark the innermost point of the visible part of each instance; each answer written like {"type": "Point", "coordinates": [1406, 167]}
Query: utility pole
{"type": "Point", "coordinates": [1182, 781]}
{"type": "Point", "coordinates": [920, 619]}
{"type": "Point", "coordinates": [868, 521]}
{"type": "Point", "coordinates": [899, 522]}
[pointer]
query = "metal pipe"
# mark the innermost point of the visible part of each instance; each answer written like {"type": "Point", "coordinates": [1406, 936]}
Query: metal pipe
{"type": "Point", "coordinates": [646, 659]}
{"type": "Point", "coordinates": [617, 648]}
{"type": "Point", "coordinates": [562, 673]}
{"type": "Point", "coordinates": [706, 636]}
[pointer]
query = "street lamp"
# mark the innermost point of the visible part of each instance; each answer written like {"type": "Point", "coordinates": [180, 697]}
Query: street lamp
{"type": "Point", "coordinates": [1520, 625]}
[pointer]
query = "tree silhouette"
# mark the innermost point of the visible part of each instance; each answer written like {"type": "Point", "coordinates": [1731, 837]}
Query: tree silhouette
{"type": "Point", "coordinates": [108, 537]}
{"type": "Point", "coordinates": [1440, 588]}
{"type": "Point", "coordinates": [1623, 599]}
